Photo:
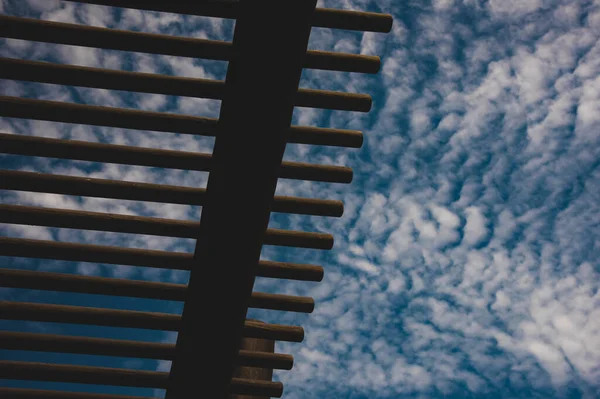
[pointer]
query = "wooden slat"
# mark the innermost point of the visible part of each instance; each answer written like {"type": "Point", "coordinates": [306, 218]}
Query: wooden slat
{"type": "Point", "coordinates": [36, 280]}
{"type": "Point", "coordinates": [88, 316]}
{"type": "Point", "coordinates": [320, 173]}
{"type": "Point", "coordinates": [333, 100]}
{"type": "Point", "coordinates": [57, 111]}
{"type": "Point", "coordinates": [25, 341]}
{"type": "Point", "coordinates": [352, 20]}
{"type": "Point", "coordinates": [40, 249]}
{"type": "Point", "coordinates": [33, 371]}
{"type": "Point", "coordinates": [291, 271]}
{"type": "Point", "coordinates": [24, 393]}
{"type": "Point", "coordinates": [289, 303]}
{"type": "Point", "coordinates": [10, 340]}
{"type": "Point", "coordinates": [325, 136]}
{"type": "Point", "coordinates": [72, 75]}
{"type": "Point", "coordinates": [218, 9]}
{"type": "Point", "coordinates": [114, 39]}
{"type": "Point", "coordinates": [98, 152]}
{"type": "Point", "coordinates": [242, 386]}
{"type": "Point", "coordinates": [278, 332]}
{"type": "Point", "coordinates": [14, 278]}
{"type": "Point", "coordinates": [72, 219]}
{"type": "Point", "coordinates": [342, 62]}
{"type": "Point", "coordinates": [265, 360]}
{"type": "Point", "coordinates": [298, 239]}
{"type": "Point", "coordinates": [131, 319]}
{"type": "Point", "coordinates": [128, 155]}
{"type": "Point", "coordinates": [75, 75]}
{"type": "Point", "coordinates": [114, 189]}
{"type": "Point", "coordinates": [323, 17]}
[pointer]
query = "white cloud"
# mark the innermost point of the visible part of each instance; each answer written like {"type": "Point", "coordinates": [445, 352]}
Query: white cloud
{"type": "Point", "coordinates": [514, 8]}
{"type": "Point", "coordinates": [476, 227]}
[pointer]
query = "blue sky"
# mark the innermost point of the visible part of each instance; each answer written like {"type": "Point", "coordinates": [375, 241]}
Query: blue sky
{"type": "Point", "coordinates": [466, 264]}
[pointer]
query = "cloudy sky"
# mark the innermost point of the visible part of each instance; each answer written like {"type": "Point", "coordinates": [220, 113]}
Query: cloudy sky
{"type": "Point", "coordinates": [466, 264]}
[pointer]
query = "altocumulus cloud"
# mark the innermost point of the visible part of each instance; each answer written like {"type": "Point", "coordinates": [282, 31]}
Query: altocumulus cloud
{"type": "Point", "coordinates": [467, 261]}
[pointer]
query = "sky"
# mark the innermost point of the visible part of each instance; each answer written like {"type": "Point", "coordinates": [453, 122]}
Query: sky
{"type": "Point", "coordinates": [466, 264]}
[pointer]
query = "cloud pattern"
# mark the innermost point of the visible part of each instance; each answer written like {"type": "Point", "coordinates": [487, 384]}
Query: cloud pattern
{"type": "Point", "coordinates": [466, 263]}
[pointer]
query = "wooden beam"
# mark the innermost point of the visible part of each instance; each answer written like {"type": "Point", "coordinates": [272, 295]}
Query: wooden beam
{"type": "Point", "coordinates": [229, 259]}
{"type": "Point", "coordinates": [74, 75]}
{"type": "Point", "coordinates": [10, 340]}
{"type": "Point", "coordinates": [37, 280]}
{"type": "Point", "coordinates": [133, 319]}
{"type": "Point", "coordinates": [41, 249]}
{"type": "Point", "coordinates": [114, 39]}
{"type": "Point", "coordinates": [323, 17]}
{"type": "Point", "coordinates": [114, 189]}
{"type": "Point", "coordinates": [33, 371]}
{"type": "Point", "coordinates": [99, 221]}
{"type": "Point", "coordinates": [152, 157]}
{"type": "Point", "coordinates": [58, 111]}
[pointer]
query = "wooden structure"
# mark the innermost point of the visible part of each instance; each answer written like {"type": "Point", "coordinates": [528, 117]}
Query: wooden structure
{"type": "Point", "coordinates": [258, 96]}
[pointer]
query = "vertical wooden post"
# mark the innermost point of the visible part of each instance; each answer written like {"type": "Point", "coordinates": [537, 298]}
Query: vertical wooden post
{"type": "Point", "coordinates": [254, 373]}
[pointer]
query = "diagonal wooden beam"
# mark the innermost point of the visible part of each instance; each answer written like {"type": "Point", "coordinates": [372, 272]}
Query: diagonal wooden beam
{"type": "Point", "coordinates": [269, 50]}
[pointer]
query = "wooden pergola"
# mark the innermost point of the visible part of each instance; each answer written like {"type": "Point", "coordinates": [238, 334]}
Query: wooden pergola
{"type": "Point", "coordinates": [266, 58]}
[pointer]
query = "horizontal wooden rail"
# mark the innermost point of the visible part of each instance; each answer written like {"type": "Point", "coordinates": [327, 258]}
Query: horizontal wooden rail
{"type": "Point", "coordinates": [125, 348]}
{"type": "Point", "coordinates": [32, 371]}
{"type": "Point", "coordinates": [323, 17]}
{"type": "Point", "coordinates": [290, 271]}
{"type": "Point", "coordinates": [75, 75]}
{"type": "Point", "coordinates": [99, 152]}
{"type": "Point", "coordinates": [128, 155]}
{"type": "Point", "coordinates": [40, 249]}
{"type": "Point", "coordinates": [352, 20]}
{"type": "Point", "coordinates": [24, 393]}
{"type": "Point", "coordinates": [325, 136]}
{"type": "Point", "coordinates": [325, 60]}
{"type": "Point", "coordinates": [114, 39]}
{"type": "Point", "coordinates": [88, 316]}
{"type": "Point", "coordinates": [85, 345]}
{"type": "Point", "coordinates": [131, 319]}
{"type": "Point", "coordinates": [278, 361]}
{"type": "Point", "coordinates": [277, 332]}
{"type": "Point", "coordinates": [57, 111]}
{"type": "Point", "coordinates": [298, 239]}
{"type": "Point", "coordinates": [243, 386]}
{"type": "Point", "coordinates": [72, 75]}
{"type": "Point", "coordinates": [66, 218]}
{"type": "Point", "coordinates": [114, 189]}
{"type": "Point", "coordinates": [290, 303]}
{"type": "Point", "coordinates": [15, 278]}
{"type": "Point", "coordinates": [333, 100]}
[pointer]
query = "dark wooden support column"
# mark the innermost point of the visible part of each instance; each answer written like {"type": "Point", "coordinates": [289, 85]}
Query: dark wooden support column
{"type": "Point", "coordinates": [268, 57]}
{"type": "Point", "coordinates": [254, 373]}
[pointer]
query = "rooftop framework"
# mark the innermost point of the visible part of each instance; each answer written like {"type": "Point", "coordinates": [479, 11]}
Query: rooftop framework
{"type": "Point", "coordinates": [258, 96]}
